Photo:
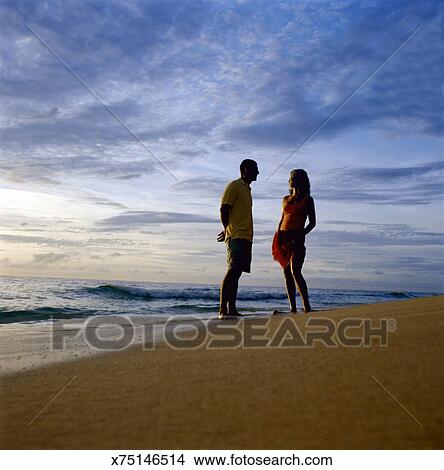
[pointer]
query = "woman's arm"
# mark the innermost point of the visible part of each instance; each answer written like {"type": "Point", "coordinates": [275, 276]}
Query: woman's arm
{"type": "Point", "coordinates": [280, 223]}
{"type": "Point", "coordinates": [311, 216]}
{"type": "Point", "coordinates": [282, 216]}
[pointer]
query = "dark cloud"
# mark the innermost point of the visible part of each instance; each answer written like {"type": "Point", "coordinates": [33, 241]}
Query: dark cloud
{"type": "Point", "coordinates": [408, 196]}
{"type": "Point", "coordinates": [100, 36]}
{"type": "Point", "coordinates": [49, 258]}
{"type": "Point", "coordinates": [131, 219]}
{"type": "Point", "coordinates": [38, 260]}
{"type": "Point", "coordinates": [35, 240]}
{"type": "Point", "coordinates": [381, 175]}
{"type": "Point", "coordinates": [261, 73]}
{"type": "Point", "coordinates": [125, 54]}
{"type": "Point", "coordinates": [412, 185]}
{"type": "Point", "coordinates": [294, 97]}
{"type": "Point", "coordinates": [368, 224]}
{"type": "Point", "coordinates": [101, 201]}
{"type": "Point", "coordinates": [201, 186]}
{"type": "Point", "coordinates": [97, 257]}
{"type": "Point", "coordinates": [413, 264]}
{"type": "Point", "coordinates": [51, 170]}
{"type": "Point", "coordinates": [371, 238]}
{"type": "Point", "coordinates": [91, 126]}
{"type": "Point", "coordinates": [212, 188]}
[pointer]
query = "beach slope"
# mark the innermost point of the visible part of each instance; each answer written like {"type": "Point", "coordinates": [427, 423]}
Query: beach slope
{"type": "Point", "coordinates": [263, 398]}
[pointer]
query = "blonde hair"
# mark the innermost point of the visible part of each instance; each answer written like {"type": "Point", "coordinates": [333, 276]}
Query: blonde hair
{"type": "Point", "coordinates": [301, 182]}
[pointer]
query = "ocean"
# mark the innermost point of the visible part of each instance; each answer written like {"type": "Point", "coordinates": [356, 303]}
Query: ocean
{"type": "Point", "coordinates": [24, 300]}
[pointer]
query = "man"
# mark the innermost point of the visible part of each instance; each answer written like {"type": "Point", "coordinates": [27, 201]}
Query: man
{"type": "Point", "coordinates": [237, 218]}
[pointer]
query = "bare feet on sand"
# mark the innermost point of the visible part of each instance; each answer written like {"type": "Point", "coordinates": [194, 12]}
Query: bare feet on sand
{"type": "Point", "coordinates": [229, 315]}
{"type": "Point", "coordinates": [277, 312]}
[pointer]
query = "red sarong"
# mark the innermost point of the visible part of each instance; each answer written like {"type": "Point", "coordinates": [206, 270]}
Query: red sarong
{"type": "Point", "coordinates": [281, 253]}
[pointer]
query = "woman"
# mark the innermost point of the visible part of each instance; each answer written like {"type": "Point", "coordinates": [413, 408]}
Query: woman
{"type": "Point", "coordinates": [289, 241]}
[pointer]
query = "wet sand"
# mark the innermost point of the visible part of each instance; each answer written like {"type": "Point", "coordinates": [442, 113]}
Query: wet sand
{"type": "Point", "coordinates": [262, 398]}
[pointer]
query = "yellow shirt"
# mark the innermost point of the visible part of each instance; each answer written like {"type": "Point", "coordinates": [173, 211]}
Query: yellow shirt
{"type": "Point", "coordinates": [237, 194]}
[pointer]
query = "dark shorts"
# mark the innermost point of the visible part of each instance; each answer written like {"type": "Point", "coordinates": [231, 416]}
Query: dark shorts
{"type": "Point", "coordinates": [295, 241]}
{"type": "Point", "coordinates": [239, 254]}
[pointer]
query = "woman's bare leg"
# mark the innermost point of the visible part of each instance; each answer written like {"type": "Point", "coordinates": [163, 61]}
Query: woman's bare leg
{"type": "Point", "coordinates": [291, 288]}
{"type": "Point", "coordinates": [296, 268]}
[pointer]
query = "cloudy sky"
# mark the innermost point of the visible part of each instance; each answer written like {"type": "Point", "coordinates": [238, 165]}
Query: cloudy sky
{"type": "Point", "coordinates": [122, 122]}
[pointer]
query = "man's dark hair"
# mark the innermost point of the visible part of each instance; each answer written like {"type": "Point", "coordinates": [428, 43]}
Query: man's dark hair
{"type": "Point", "coordinates": [247, 163]}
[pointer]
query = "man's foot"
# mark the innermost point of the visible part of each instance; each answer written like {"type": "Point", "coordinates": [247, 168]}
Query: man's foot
{"type": "Point", "coordinates": [308, 309]}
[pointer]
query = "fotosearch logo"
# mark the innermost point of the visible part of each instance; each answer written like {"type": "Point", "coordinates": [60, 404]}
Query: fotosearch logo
{"type": "Point", "coordinates": [113, 333]}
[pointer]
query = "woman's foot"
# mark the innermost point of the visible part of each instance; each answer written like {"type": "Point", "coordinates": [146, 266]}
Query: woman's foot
{"type": "Point", "coordinates": [277, 312]}
{"type": "Point", "coordinates": [308, 309]}
{"type": "Point", "coordinates": [235, 313]}
{"type": "Point", "coordinates": [223, 315]}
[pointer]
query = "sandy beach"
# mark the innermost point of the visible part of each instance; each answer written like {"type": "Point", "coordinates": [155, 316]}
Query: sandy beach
{"type": "Point", "coordinates": [263, 398]}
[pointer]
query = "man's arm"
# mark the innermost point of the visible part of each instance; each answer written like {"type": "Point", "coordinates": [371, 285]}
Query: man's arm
{"type": "Point", "coordinates": [225, 219]}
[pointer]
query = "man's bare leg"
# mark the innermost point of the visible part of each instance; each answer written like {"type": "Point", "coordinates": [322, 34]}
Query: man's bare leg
{"type": "Point", "coordinates": [233, 294]}
{"type": "Point", "coordinates": [228, 292]}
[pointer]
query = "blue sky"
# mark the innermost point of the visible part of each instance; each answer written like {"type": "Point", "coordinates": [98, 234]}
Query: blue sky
{"type": "Point", "coordinates": [204, 85]}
